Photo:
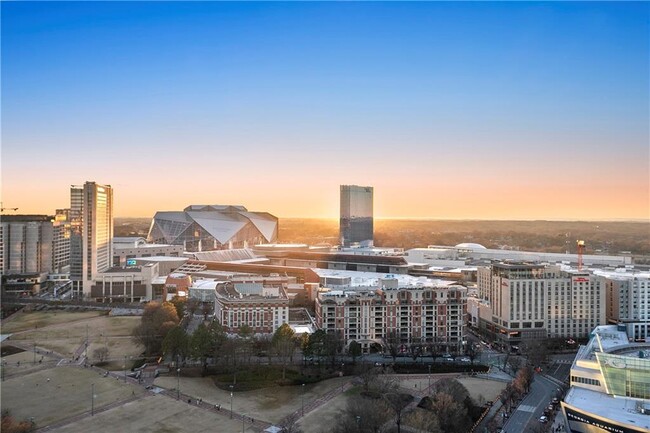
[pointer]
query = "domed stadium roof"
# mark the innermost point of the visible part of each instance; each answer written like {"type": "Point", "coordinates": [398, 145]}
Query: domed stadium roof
{"type": "Point", "coordinates": [471, 246]}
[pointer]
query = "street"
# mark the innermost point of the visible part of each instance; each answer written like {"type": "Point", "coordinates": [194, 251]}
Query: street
{"type": "Point", "coordinates": [527, 414]}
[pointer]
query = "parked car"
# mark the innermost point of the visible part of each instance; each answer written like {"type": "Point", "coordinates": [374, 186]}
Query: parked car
{"type": "Point", "coordinates": [543, 419]}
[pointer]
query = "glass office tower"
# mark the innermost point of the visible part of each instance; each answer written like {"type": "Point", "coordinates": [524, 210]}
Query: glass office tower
{"type": "Point", "coordinates": [356, 223]}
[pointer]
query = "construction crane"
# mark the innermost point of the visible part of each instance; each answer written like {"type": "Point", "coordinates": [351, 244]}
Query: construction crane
{"type": "Point", "coordinates": [581, 250]}
{"type": "Point", "coordinates": [2, 208]}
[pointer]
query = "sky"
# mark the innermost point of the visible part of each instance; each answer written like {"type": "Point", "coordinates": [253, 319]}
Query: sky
{"type": "Point", "coordinates": [504, 110]}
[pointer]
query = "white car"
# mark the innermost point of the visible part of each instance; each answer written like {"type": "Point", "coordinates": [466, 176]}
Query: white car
{"type": "Point", "coordinates": [543, 419]}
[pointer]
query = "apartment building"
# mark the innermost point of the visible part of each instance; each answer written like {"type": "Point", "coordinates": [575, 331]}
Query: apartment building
{"type": "Point", "coordinates": [415, 314]}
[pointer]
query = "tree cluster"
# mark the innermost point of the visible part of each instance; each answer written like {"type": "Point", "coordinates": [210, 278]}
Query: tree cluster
{"type": "Point", "coordinates": [449, 407]}
{"type": "Point", "coordinates": [518, 387]}
{"type": "Point", "coordinates": [9, 424]}
{"type": "Point", "coordinates": [157, 320]}
{"type": "Point", "coordinates": [209, 344]}
{"type": "Point", "coordinates": [323, 344]}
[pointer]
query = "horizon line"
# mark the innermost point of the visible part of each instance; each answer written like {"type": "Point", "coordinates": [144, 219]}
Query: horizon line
{"type": "Point", "coordinates": [409, 218]}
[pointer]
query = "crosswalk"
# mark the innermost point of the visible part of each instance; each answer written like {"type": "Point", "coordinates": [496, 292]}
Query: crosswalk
{"type": "Point", "coordinates": [526, 408]}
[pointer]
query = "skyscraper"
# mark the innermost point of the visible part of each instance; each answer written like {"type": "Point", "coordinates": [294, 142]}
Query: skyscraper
{"type": "Point", "coordinates": [91, 213]}
{"type": "Point", "coordinates": [356, 223]}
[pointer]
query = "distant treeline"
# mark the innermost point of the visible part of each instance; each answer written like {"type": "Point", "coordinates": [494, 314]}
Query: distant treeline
{"type": "Point", "coordinates": [547, 236]}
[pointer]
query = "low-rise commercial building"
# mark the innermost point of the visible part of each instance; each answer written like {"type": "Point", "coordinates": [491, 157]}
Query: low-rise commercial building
{"type": "Point", "coordinates": [264, 308]}
{"type": "Point", "coordinates": [127, 249]}
{"type": "Point", "coordinates": [132, 284]}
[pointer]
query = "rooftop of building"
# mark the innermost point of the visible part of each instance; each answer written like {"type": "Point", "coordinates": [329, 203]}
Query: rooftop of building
{"type": "Point", "coordinates": [228, 291]}
{"type": "Point", "coordinates": [516, 265]}
{"type": "Point", "coordinates": [620, 410]}
{"type": "Point", "coordinates": [612, 340]}
{"type": "Point", "coordinates": [162, 259]}
{"type": "Point", "coordinates": [362, 280]}
{"type": "Point", "coordinates": [238, 255]}
{"type": "Point", "coordinates": [25, 218]}
{"type": "Point", "coordinates": [623, 273]}
{"type": "Point", "coordinates": [344, 257]}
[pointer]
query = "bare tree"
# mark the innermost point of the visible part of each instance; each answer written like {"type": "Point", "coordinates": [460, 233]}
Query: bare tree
{"type": "Point", "coordinates": [393, 343]}
{"type": "Point", "coordinates": [363, 415]}
{"type": "Point", "coordinates": [422, 420]}
{"type": "Point", "coordinates": [101, 353]}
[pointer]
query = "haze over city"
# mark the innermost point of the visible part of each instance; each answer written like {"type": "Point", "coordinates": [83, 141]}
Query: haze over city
{"type": "Point", "coordinates": [466, 110]}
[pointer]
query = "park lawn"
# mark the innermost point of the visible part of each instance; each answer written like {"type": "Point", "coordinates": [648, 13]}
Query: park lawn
{"type": "Point", "coordinates": [39, 319]}
{"type": "Point", "coordinates": [155, 413]}
{"type": "Point", "coordinates": [321, 419]}
{"type": "Point", "coordinates": [115, 332]}
{"type": "Point", "coordinates": [68, 393]}
{"type": "Point", "coordinates": [23, 362]}
{"type": "Point", "coordinates": [477, 387]}
{"type": "Point", "coordinates": [269, 404]}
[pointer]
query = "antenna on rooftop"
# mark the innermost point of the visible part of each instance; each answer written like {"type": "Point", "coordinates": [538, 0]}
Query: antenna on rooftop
{"type": "Point", "coordinates": [581, 250]}
{"type": "Point", "coordinates": [2, 208]}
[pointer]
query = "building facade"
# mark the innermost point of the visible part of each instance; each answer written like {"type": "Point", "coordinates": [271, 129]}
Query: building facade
{"type": "Point", "coordinates": [417, 315]}
{"type": "Point", "coordinates": [263, 308]}
{"type": "Point", "coordinates": [25, 250]}
{"type": "Point", "coordinates": [127, 249]}
{"type": "Point", "coordinates": [61, 241]}
{"type": "Point", "coordinates": [628, 300]}
{"type": "Point", "coordinates": [530, 301]}
{"type": "Point", "coordinates": [91, 233]}
{"type": "Point", "coordinates": [356, 216]}
{"type": "Point", "coordinates": [133, 284]}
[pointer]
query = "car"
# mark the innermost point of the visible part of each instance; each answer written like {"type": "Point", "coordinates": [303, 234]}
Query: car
{"type": "Point", "coordinates": [543, 419]}
{"type": "Point", "coordinates": [465, 360]}
{"type": "Point", "coordinates": [555, 400]}
{"type": "Point", "coordinates": [447, 355]}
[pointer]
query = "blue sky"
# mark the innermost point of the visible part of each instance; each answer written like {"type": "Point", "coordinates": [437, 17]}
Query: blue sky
{"type": "Point", "coordinates": [445, 100]}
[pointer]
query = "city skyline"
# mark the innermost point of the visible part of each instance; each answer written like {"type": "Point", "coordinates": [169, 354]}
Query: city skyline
{"type": "Point", "coordinates": [450, 111]}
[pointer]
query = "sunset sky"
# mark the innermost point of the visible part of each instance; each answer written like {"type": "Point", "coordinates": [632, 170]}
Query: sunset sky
{"type": "Point", "coordinates": [502, 110]}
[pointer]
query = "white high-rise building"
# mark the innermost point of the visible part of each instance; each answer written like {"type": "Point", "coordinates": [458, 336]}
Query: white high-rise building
{"type": "Point", "coordinates": [628, 300]}
{"type": "Point", "coordinates": [91, 213]}
{"type": "Point", "coordinates": [530, 301]}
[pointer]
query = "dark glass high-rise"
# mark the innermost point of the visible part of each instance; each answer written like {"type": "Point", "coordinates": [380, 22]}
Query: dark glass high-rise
{"type": "Point", "coordinates": [356, 222]}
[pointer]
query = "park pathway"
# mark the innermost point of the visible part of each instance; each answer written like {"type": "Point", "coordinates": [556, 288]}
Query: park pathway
{"type": "Point", "coordinates": [315, 404]}
{"type": "Point", "coordinates": [88, 413]}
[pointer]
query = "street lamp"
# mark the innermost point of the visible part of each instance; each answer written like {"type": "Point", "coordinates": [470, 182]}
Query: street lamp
{"type": "Point", "coordinates": [429, 389]}
{"type": "Point", "coordinates": [303, 399]}
{"type": "Point", "coordinates": [358, 422]}
{"type": "Point", "coordinates": [92, 399]}
{"type": "Point", "coordinates": [178, 383]}
{"type": "Point", "coordinates": [243, 422]}
{"type": "Point", "coordinates": [230, 401]}
{"type": "Point", "coordinates": [124, 368]}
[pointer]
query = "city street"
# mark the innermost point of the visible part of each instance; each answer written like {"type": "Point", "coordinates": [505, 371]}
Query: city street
{"type": "Point", "coordinates": [527, 414]}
